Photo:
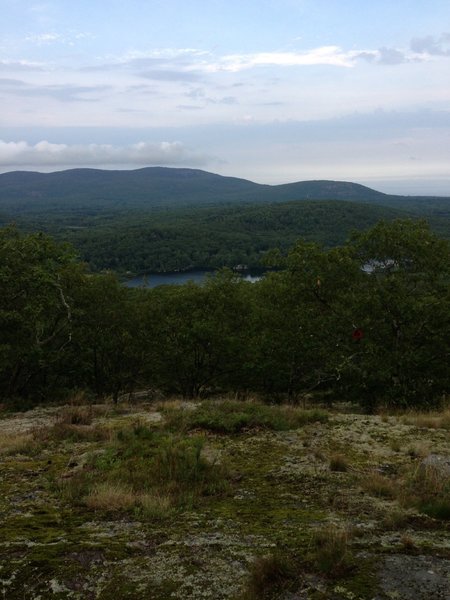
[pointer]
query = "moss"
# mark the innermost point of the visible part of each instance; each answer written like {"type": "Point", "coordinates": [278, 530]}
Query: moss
{"type": "Point", "coordinates": [280, 492]}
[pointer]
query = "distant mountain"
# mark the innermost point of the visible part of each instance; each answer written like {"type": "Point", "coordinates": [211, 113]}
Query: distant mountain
{"type": "Point", "coordinates": [89, 190]}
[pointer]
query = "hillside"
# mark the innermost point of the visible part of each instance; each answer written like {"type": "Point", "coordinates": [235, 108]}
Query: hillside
{"type": "Point", "coordinates": [94, 189]}
{"type": "Point", "coordinates": [164, 219]}
{"type": "Point", "coordinates": [211, 238]}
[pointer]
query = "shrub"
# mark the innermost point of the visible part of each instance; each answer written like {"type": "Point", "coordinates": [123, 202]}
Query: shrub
{"type": "Point", "coordinates": [234, 417]}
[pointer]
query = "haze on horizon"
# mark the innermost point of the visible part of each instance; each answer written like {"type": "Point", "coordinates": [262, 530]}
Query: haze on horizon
{"type": "Point", "coordinates": [274, 91]}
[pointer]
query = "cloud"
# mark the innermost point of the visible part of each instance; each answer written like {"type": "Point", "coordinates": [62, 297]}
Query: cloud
{"type": "Point", "coordinates": [44, 38]}
{"type": "Point", "coordinates": [187, 63]}
{"type": "Point", "coordinates": [63, 93]}
{"type": "Point", "coordinates": [385, 56]}
{"type": "Point", "coordinates": [391, 56]}
{"type": "Point", "coordinates": [431, 45]}
{"type": "Point", "coordinates": [51, 37]}
{"type": "Point", "coordinates": [20, 65]}
{"type": "Point", "coordinates": [47, 154]}
{"type": "Point", "coordinates": [325, 55]}
{"type": "Point", "coordinates": [170, 75]}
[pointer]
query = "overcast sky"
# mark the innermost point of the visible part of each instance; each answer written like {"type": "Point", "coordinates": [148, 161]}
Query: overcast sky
{"type": "Point", "coordinates": [269, 90]}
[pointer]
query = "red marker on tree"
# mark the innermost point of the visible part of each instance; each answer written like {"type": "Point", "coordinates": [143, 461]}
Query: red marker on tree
{"type": "Point", "coordinates": [357, 335]}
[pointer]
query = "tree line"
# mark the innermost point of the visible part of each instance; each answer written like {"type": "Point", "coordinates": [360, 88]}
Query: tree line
{"type": "Point", "coordinates": [368, 321]}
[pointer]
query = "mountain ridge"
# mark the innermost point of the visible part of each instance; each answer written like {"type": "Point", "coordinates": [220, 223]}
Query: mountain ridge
{"type": "Point", "coordinates": [89, 191]}
{"type": "Point", "coordinates": [165, 184]}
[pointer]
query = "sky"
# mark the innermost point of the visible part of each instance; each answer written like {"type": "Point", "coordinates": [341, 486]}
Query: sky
{"type": "Point", "coordinates": [274, 91]}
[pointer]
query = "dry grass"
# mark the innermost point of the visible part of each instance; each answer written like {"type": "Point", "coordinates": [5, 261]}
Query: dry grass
{"type": "Point", "coordinates": [419, 450]}
{"type": "Point", "coordinates": [61, 431]}
{"type": "Point", "coordinates": [16, 443]}
{"type": "Point", "coordinates": [79, 398]}
{"type": "Point", "coordinates": [378, 485]}
{"type": "Point", "coordinates": [331, 553]}
{"type": "Point", "coordinates": [269, 577]}
{"type": "Point", "coordinates": [339, 463]}
{"type": "Point", "coordinates": [395, 519]}
{"type": "Point", "coordinates": [76, 415]}
{"type": "Point", "coordinates": [395, 445]}
{"type": "Point", "coordinates": [155, 506]}
{"type": "Point", "coordinates": [428, 489]}
{"type": "Point", "coordinates": [111, 497]}
{"type": "Point", "coordinates": [434, 420]}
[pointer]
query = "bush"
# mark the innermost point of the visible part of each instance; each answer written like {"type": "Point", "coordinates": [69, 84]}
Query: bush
{"type": "Point", "coordinates": [235, 417]}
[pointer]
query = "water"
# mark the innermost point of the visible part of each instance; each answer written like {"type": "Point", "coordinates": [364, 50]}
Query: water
{"type": "Point", "coordinates": [152, 280]}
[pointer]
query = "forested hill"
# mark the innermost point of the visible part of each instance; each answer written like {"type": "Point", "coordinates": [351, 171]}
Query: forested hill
{"type": "Point", "coordinates": [153, 187]}
{"type": "Point", "coordinates": [213, 237]}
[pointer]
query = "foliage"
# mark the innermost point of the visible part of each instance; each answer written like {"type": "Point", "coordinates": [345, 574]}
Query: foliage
{"type": "Point", "coordinates": [235, 417]}
{"type": "Point", "coordinates": [367, 321]}
{"type": "Point", "coordinates": [37, 277]}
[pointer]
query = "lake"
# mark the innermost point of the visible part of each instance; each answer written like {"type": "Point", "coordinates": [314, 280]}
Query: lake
{"type": "Point", "coordinates": [152, 280]}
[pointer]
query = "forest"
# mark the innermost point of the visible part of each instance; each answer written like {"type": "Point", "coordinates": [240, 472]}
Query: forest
{"type": "Point", "coordinates": [367, 321]}
{"type": "Point", "coordinates": [159, 220]}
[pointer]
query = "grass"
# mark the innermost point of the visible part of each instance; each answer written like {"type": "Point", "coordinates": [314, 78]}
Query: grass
{"type": "Point", "coordinates": [62, 431]}
{"type": "Point", "coordinates": [339, 463]}
{"type": "Point", "coordinates": [431, 420]}
{"type": "Point", "coordinates": [114, 497]}
{"type": "Point", "coordinates": [380, 486]}
{"type": "Point", "coordinates": [232, 416]}
{"type": "Point", "coordinates": [198, 522]}
{"type": "Point", "coordinates": [16, 443]}
{"type": "Point", "coordinates": [150, 471]}
{"type": "Point", "coordinates": [424, 487]}
{"type": "Point", "coordinates": [428, 489]}
{"type": "Point", "coordinates": [330, 552]}
{"type": "Point", "coordinates": [76, 415]}
{"type": "Point", "coordinates": [110, 497]}
{"type": "Point", "coordinates": [269, 577]}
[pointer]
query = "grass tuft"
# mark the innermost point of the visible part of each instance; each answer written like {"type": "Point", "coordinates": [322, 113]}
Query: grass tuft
{"type": "Point", "coordinates": [16, 443]}
{"type": "Point", "coordinates": [269, 577]}
{"type": "Point", "coordinates": [380, 486]}
{"type": "Point", "coordinates": [110, 497]}
{"type": "Point", "coordinates": [331, 554]}
{"type": "Point", "coordinates": [431, 420]}
{"type": "Point", "coordinates": [428, 489]}
{"type": "Point", "coordinates": [151, 472]}
{"type": "Point", "coordinates": [339, 463]}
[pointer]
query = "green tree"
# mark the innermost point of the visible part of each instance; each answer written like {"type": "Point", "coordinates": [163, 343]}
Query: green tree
{"type": "Point", "coordinates": [197, 334]}
{"type": "Point", "coordinates": [305, 320]}
{"type": "Point", "coordinates": [404, 304]}
{"type": "Point", "coordinates": [106, 356]}
{"type": "Point", "coordinates": [36, 320]}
